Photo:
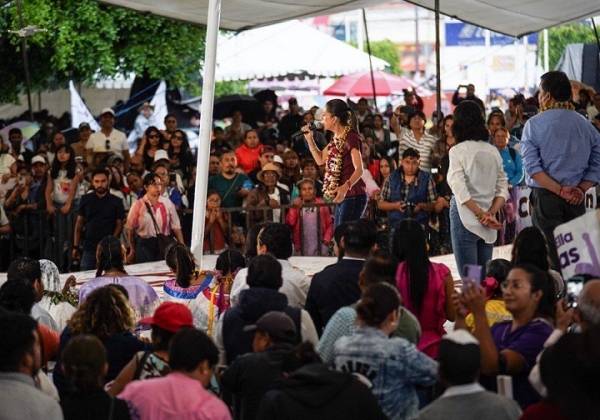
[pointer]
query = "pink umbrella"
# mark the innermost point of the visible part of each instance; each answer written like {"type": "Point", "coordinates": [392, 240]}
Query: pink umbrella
{"type": "Point", "coordinates": [359, 84]}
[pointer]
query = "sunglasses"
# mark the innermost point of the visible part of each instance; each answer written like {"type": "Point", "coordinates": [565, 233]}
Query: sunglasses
{"type": "Point", "coordinates": [107, 144]}
{"type": "Point", "coordinates": [180, 138]}
{"type": "Point", "coordinates": [154, 136]}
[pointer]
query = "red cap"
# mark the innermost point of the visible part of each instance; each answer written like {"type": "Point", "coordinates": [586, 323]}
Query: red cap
{"type": "Point", "coordinates": [170, 316]}
{"type": "Point", "coordinates": [266, 149]}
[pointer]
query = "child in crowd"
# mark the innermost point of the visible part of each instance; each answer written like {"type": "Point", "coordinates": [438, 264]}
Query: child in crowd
{"type": "Point", "coordinates": [215, 224]}
{"type": "Point", "coordinates": [307, 239]}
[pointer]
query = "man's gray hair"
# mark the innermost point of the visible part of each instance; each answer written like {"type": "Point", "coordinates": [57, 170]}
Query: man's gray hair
{"type": "Point", "coordinates": [589, 304]}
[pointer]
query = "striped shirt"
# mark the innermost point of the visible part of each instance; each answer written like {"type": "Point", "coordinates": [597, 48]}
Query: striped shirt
{"type": "Point", "coordinates": [425, 147]}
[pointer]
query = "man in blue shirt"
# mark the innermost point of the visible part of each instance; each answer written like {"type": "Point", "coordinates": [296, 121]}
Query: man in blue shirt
{"type": "Point", "coordinates": [561, 156]}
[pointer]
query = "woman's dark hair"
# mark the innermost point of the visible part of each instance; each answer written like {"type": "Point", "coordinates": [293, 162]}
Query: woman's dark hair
{"type": "Point", "coordinates": [264, 271]}
{"type": "Point", "coordinates": [161, 139]}
{"type": "Point", "coordinates": [18, 295]}
{"type": "Point", "coordinates": [190, 347]}
{"type": "Point", "coordinates": [252, 240]}
{"type": "Point", "coordinates": [149, 179]}
{"type": "Point", "coordinates": [339, 108]}
{"type": "Point", "coordinates": [393, 166]}
{"type": "Point", "coordinates": [379, 267]}
{"type": "Point", "coordinates": [185, 143]}
{"type": "Point", "coordinates": [109, 255]}
{"type": "Point", "coordinates": [376, 303]}
{"type": "Point", "coordinates": [230, 261]}
{"type": "Point", "coordinates": [70, 166]}
{"type": "Point", "coordinates": [469, 123]}
{"type": "Point", "coordinates": [541, 280]}
{"type": "Point", "coordinates": [84, 358]}
{"type": "Point", "coordinates": [17, 338]}
{"type": "Point", "coordinates": [498, 115]}
{"type": "Point", "coordinates": [409, 245]}
{"type": "Point", "coordinates": [180, 259]}
{"type": "Point", "coordinates": [498, 269]}
{"type": "Point", "coordinates": [161, 338]}
{"type": "Point", "coordinates": [530, 247]}
{"type": "Point", "coordinates": [557, 84]}
{"type": "Point", "coordinates": [117, 185]}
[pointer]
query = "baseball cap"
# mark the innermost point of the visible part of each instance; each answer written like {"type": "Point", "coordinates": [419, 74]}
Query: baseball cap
{"type": "Point", "coordinates": [266, 149]}
{"type": "Point", "coordinates": [113, 158]}
{"type": "Point", "coordinates": [38, 159]}
{"type": "Point", "coordinates": [170, 316]}
{"type": "Point", "coordinates": [108, 111]}
{"type": "Point", "coordinates": [278, 325]}
{"type": "Point", "coordinates": [84, 126]}
{"type": "Point", "coordinates": [160, 155]}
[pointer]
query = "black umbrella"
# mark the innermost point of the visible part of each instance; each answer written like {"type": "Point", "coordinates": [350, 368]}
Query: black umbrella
{"type": "Point", "coordinates": [225, 106]}
{"type": "Point", "coordinates": [267, 95]}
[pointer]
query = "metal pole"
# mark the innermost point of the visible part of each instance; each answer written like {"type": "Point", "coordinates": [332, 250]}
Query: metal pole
{"type": "Point", "coordinates": [546, 52]}
{"type": "Point", "coordinates": [417, 46]}
{"type": "Point", "coordinates": [370, 58]}
{"type": "Point", "coordinates": [438, 88]}
{"type": "Point", "coordinates": [206, 112]}
{"type": "Point", "coordinates": [25, 62]}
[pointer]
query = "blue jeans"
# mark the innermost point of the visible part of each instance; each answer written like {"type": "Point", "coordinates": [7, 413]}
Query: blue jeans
{"type": "Point", "coordinates": [352, 208]}
{"type": "Point", "coordinates": [87, 261]}
{"type": "Point", "coordinates": [468, 247]}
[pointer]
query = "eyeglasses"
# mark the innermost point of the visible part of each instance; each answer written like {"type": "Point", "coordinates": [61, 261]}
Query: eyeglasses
{"type": "Point", "coordinates": [270, 175]}
{"type": "Point", "coordinates": [516, 286]}
{"type": "Point", "coordinates": [107, 144]}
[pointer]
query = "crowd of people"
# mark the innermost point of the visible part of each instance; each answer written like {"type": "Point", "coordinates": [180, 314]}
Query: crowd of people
{"type": "Point", "coordinates": [255, 337]}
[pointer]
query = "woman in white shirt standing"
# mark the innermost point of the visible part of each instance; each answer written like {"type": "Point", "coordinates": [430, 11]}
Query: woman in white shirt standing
{"type": "Point", "coordinates": [479, 184]}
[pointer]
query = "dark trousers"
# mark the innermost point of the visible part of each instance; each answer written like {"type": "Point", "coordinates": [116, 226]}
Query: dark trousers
{"type": "Point", "coordinates": [146, 250]}
{"type": "Point", "coordinates": [548, 211]}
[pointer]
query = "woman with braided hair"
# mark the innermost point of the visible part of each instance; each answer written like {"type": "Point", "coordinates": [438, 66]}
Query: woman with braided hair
{"type": "Point", "coordinates": [205, 293]}
{"type": "Point", "coordinates": [343, 161]}
{"type": "Point", "coordinates": [110, 269]}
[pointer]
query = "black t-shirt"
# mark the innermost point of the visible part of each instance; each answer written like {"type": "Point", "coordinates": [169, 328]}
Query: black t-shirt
{"type": "Point", "coordinates": [100, 217]}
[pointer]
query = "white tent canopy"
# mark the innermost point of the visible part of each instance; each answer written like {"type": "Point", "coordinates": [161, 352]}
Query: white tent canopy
{"type": "Point", "coordinates": [510, 17]}
{"type": "Point", "coordinates": [287, 48]}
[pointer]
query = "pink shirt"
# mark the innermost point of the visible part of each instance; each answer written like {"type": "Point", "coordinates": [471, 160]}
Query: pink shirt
{"type": "Point", "coordinates": [140, 220]}
{"type": "Point", "coordinates": [174, 396]}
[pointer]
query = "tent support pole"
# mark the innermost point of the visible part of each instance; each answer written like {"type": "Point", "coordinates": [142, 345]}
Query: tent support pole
{"type": "Point", "coordinates": [438, 76]}
{"type": "Point", "coordinates": [206, 110]}
{"type": "Point", "coordinates": [370, 57]}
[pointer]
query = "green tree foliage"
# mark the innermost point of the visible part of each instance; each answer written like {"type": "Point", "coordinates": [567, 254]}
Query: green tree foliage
{"type": "Point", "coordinates": [388, 51]}
{"type": "Point", "coordinates": [560, 36]}
{"type": "Point", "coordinates": [87, 41]}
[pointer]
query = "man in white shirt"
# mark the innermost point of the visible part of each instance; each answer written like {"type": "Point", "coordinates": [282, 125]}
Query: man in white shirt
{"type": "Point", "coordinates": [276, 239]}
{"type": "Point", "coordinates": [109, 139]}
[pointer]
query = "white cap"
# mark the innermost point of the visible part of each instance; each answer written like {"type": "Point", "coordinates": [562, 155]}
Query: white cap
{"type": "Point", "coordinates": [38, 159]}
{"type": "Point", "coordinates": [108, 111]}
{"type": "Point", "coordinates": [277, 159]}
{"type": "Point", "coordinates": [160, 155]}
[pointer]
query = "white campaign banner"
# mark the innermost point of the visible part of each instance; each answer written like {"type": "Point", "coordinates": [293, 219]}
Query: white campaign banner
{"type": "Point", "coordinates": [578, 245]}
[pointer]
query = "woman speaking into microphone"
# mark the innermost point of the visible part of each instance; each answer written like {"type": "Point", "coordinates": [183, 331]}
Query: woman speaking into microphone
{"type": "Point", "coordinates": [342, 183]}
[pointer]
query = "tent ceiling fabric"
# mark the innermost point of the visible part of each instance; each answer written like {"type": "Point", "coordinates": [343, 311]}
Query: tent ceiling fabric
{"type": "Point", "coordinates": [238, 15]}
{"type": "Point", "coordinates": [510, 17]}
{"type": "Point", "coordinates": [286, 49]}
{"type": "Point", "coordinates": [515, 17]}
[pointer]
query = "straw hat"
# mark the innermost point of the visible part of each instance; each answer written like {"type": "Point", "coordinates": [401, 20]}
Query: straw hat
{"type": "Point", "coordinates": [268, 167]}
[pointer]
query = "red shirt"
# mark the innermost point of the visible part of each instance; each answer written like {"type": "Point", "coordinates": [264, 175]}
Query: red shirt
{"type": "Point", "coordinates": [353, 141]}
{"type": "Point", "coordinates": [247, 158]}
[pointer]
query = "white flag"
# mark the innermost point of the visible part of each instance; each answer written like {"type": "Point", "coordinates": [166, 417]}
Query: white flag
{"type": "Point", "coordinates": [160, 105]}
{"type": "Point", "coordinates": [79, 112]}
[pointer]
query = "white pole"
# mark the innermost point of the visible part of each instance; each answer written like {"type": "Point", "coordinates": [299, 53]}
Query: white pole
{"type": "Point", "coordinates": [206, 112]}
{"type": "Point", "coordinates": [546, 52]}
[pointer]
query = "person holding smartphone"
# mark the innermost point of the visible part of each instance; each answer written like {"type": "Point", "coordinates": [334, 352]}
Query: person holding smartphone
{"type": "Point", "coordinates": [470, 96]}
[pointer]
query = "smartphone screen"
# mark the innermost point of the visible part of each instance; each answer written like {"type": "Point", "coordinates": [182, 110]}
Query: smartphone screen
{"type": "Point", "coordinates": [172, 178]}
{"type": "Point", "coordinates": [21, 180]}
{"type": "Point", "coordinates": [471, 275]}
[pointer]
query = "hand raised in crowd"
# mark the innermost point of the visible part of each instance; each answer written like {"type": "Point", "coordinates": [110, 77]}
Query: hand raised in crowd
{"type": "Point", "coordinates": [473, 298]}
{"type": "Point", "coordinates": [70, 282]}
{"type": "Point", "coordinates": [564, 315]}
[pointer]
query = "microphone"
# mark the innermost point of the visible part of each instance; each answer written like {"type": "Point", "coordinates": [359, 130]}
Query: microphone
{"type": "Point", "coordinates": [317, 125]}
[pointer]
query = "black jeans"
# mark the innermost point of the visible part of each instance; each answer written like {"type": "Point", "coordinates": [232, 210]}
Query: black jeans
{"type": "Point", "coordinates": [548, 211]}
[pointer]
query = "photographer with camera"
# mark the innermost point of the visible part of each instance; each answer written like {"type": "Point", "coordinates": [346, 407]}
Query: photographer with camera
{"type": "Point", "coordinates": [408, 192]}
{"type": "Point", "coordinates": [470, 96]}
